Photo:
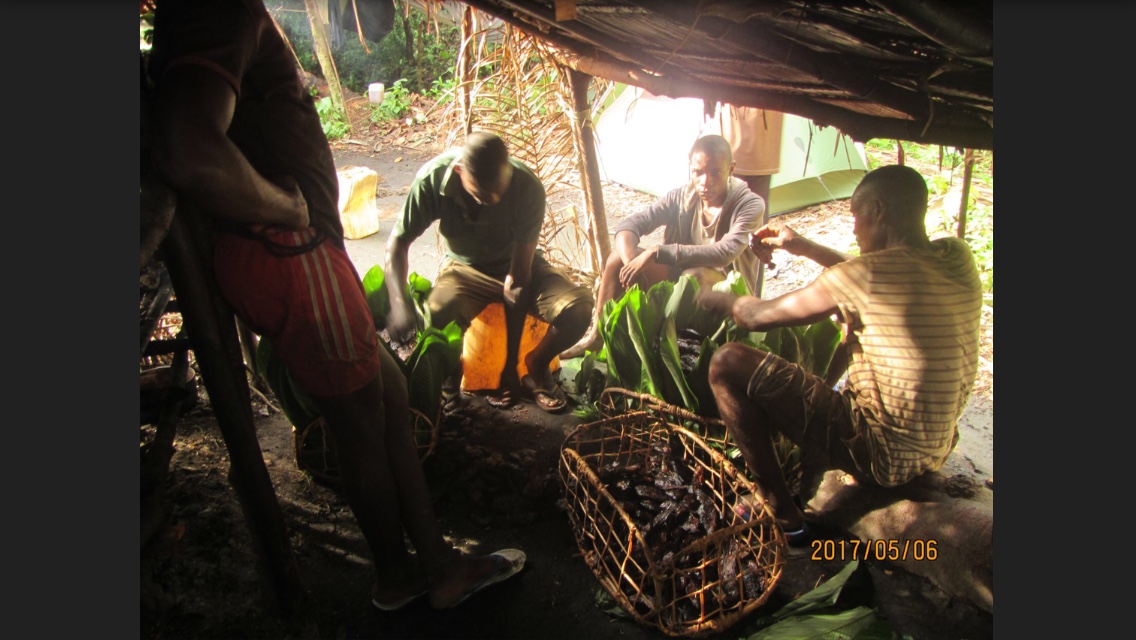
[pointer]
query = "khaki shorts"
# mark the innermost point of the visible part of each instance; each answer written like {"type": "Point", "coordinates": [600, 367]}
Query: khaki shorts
{"type": "Point", "coordinates": [461, 292]}
{"type": "Point", "coordinates": [823, 422]}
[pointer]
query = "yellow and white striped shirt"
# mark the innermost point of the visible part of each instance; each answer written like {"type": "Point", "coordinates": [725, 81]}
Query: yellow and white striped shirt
{"type": "Point", "coordinates": [912, 322]}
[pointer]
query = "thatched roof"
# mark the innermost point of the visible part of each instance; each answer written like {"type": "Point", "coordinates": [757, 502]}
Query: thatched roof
{"type": "Point", "coordinates": [917, 70]}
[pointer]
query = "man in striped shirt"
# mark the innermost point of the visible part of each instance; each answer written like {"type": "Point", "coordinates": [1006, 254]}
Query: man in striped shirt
{"type": "Point", "coordinates": [910, 308]}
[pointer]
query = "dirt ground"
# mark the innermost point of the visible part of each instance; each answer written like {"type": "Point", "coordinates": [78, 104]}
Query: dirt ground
{"type": "Point", "coordinates": [493, 476]}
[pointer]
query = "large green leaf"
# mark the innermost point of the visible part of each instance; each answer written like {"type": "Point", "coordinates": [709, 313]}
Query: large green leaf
{"type": "Point", "coordinates": [682, 306]}
{"type": "Point", "coordinates": [734, 283]}
{"type": "Point", "coordinates": [823, 337]}
{"type": "Point", "coordinates": [668, 353]}
{"type": "Point", "coordinates": [642, 322]}
{"type": "Point", "coordinates": [858, 623]}
{"type": "Point", "coordinates": [378, 299]}
{"type": "Point", "coordinates": [433, 360]}
{"type": "Point", "coordinates": [623, 365]}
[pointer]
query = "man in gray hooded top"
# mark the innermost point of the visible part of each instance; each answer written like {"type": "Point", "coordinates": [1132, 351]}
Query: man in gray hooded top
{"type": "Point", "coordinates": [707, 225]}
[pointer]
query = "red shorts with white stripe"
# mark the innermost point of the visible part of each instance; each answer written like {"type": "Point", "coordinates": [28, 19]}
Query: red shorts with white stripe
{"type": "Point", "coordinates": [307, 301]}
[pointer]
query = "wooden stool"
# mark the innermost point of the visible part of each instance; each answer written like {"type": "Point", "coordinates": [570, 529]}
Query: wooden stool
{"type": "Point", "coordinates": [483, 348]}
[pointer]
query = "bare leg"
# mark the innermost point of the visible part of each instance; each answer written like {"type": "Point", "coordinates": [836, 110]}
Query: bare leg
{"type": "Point", "coordinates": [609, 288]}
{"type": "Point", "coordinates": [749, 426]}
{"type": "Point", "coordinates": [564, 330]}
{"type": "Point", "coordinates": [387, 490]}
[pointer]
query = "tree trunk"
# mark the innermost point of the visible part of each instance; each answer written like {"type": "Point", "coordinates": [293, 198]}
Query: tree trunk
{"type": "Point", "coordinates": [408, 34]}
{"type": "Point", "coordinates": [465, 69]}
{"type": "Point", "coordinates": [327, 62]}
{"type": "Point", "coordinates": [967, 172]}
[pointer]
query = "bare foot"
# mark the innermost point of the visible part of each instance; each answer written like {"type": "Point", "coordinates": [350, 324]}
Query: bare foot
{"type": "Point", "coordinates": [396, 592]}
{"type": "Point", "coordinates": [590, 342]}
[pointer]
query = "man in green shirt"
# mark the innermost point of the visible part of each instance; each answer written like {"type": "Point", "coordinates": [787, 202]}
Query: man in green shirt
{"type": "Point", "coordinates": [489, 209]}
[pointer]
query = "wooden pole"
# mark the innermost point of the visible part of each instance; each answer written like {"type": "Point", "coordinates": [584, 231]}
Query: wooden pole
{"type": "Point", "coordinates": [213, 336]}
{"type": "Point", "coordinates": [967, 172]}
{"type": "Point", "coordinates": [327, 62]}
{"type": "Point", "coordinates": [599, 243]}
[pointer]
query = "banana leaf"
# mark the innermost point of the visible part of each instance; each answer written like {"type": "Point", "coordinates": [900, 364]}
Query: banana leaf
{"type": "Point", "coordinates": [433, 360]}
{"type": "Point", "coordinates": [642, 323]}
{"type": "Point", "coordinates": [734, 283]}
{"type": "Point", "coordinates": [823, 338]}
{"type": "Point", "coordinates": [668, 352]}
{"type": "Point", "coordinates": [623, 366]}
{"type": "Point", "coordinates": [826, 612]}
{"type": "Point", "coordinates": [682, 307]}
{"type": "Point", "coordinates": [378, 299]}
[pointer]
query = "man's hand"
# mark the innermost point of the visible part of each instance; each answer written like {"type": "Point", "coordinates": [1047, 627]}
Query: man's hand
{"type": "Point", "coordinates": [301, 219]}
{"type": "Point", "coordinates": [635, 266]}
{"type": "Point", "coordinates": [772, 236]}
{"type": "Point", "coordinates": [295, 218]}
{"type": "Point", "coordinates": [402, 323]}
{"type": "Point", "coordinates": [716, 301]}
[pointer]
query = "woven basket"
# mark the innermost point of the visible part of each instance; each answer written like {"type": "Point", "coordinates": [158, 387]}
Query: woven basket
{"type": "Point", "coordinates": [710, 583]}
{"type": "Point", "coordinates": [315, 453]}
{"type": "Point", "coordinates": [614, 401]}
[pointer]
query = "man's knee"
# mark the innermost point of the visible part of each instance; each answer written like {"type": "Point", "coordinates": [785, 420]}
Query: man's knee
{"type": "Point", "coordinates": [576, 316]}
{"type": "Point", "coordinates": [731, 365]}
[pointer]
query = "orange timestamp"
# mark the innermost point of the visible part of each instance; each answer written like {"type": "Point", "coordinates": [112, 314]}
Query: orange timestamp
{"type": "Point", "coordinates": [888, 549]}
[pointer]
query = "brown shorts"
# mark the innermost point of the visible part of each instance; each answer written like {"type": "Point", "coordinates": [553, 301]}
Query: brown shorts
{"type": "Point", "coordinates": [461, 292]}
{"type": "Point", "coordinates": [822, 421]}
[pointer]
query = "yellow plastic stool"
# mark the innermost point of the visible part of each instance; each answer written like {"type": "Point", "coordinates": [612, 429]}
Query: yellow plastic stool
{"type": "Point", "coordinates": [483, 348]}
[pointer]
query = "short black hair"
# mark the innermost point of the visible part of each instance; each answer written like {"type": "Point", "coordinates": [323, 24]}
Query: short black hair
{"type": "Point", "coordinates": [484, 156]}
{"type": "Point", "coordinates": [902, 188]}
{"type": "Point", "coordinates": [714, 146]}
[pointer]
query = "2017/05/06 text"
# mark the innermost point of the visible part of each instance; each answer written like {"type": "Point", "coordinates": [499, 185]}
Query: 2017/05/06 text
{"type": "Point", "coordinates": [891, 549]}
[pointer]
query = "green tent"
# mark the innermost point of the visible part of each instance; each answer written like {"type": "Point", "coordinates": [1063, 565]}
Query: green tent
{"type": "Point", "coordinates": [643, 141]}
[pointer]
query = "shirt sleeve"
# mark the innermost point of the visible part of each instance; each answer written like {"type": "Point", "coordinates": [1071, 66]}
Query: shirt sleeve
{"type": "Point", "coordinates": [217, 35]}
{"type": "Point", "coordinates": [419, 210]}
{"type": "Point", "coordinates": [662, 212]}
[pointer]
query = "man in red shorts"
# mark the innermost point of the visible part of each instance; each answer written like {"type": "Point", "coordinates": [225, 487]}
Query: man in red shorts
{"type": "Point", "coordinates": [239, 139]}
{"type": "Point", "coordinates": [911, 309]}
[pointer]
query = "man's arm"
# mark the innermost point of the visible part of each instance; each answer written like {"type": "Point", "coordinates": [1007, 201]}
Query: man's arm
{"type": "Point", "coordinates": [779, 236]}
{"type": "Point", "coordinates": [806, 305]}
{"type": "Point", "coordinates": [518, 295]}
{"type": "Point", "coordinates": [194, 154]}
{"type": "Point", "coordinates": [402, 318]}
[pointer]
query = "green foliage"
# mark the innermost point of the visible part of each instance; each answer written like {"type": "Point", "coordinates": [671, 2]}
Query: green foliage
{"type": "Point", "coordinates": [333, 122]}
{"type": "Point", "coordinates": [641, 346]}
{"type": "Point", "coordinates": [442, 90]}
{"type": "Point", "coordinates": [395, 104]}
{"type": "Point", "coordinates": [433, 53]}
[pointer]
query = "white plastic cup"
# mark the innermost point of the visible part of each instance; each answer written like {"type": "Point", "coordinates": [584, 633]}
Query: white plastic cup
{"type": "Point", "coordinates": [375, 92]}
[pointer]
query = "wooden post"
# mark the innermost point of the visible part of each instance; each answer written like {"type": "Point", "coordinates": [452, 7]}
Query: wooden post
{"type": "Point", "coordinates": [465, 70]}
{"type": "Point", "coordinates": [599, 243]}
{"type": "Point", "coordinates": [327, 62]}
{"type": "Point", "coordinates": [967, 172]}
{"type": "Point", "coordinates": [213, 336]}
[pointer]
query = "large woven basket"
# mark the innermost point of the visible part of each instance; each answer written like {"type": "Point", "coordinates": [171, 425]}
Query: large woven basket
{"type": "Point", "coordinates": [614, 401]}
{"type": "Point", "coordinates": [315, 453]}
{"type": "Point", "coordinates": [710, 583]}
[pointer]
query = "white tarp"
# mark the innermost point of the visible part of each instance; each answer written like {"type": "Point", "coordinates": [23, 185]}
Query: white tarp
{"type": "Point", "coordinates": [643, 141]}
